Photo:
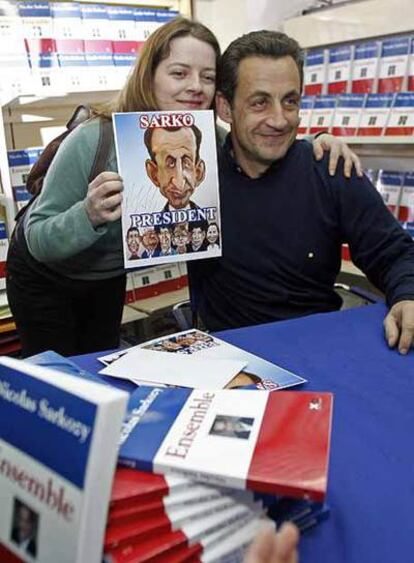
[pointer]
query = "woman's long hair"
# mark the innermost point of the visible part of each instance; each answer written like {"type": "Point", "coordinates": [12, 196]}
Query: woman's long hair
{"type": "Point", "coordinates": [138, 93]}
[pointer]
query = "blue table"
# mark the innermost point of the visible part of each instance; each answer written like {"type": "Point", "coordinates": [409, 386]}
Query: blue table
{"type": "Point", "coordinates": [371, 482]}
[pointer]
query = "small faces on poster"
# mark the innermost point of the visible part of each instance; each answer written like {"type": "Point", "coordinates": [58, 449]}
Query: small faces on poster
{"type": "Point", "coordinates": [170, 209]}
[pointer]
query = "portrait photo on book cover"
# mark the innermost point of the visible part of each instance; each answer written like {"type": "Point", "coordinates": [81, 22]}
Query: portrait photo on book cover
{"type": "Point", "coordinates": [232, 426]}
{"type": "Point", "coordinates": [170, 209]}
{"type": "Point", "coordinates": [24, 527]}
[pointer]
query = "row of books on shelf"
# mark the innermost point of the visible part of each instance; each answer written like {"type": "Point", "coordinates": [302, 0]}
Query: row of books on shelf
{"type": "Point", "coordinates": [198, 470]}
{"type": "Point", "coordinates": [57, 43]}
{"type": "Point", "coordinates": [358, 114]}
{"type": "Point", "coordinates": [365, 67]}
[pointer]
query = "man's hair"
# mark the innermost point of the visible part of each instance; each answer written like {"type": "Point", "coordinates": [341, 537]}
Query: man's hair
{"type": "Point", "coordinates": [132, 230]}
{"type": "Point", "coordinates": [150, 130]}
{"type": "Point", "coordinates": [263, 43]}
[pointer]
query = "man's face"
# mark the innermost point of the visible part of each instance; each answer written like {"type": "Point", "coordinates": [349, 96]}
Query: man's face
{"type": "Point", "coordinates": [212, 234]}
{"type": "Point", "coordinates": [181, 236]}
{"type": "Point", "coordinates": [197, 236]}
{"type": "Point", "coordinates": [24, 522]}
{"type": "Point", "coordinates": [150, 239]}
{"type": "Point", "coordinates": [265, 113]}
{"type": "Point", "coordinates": [133, 241]}
{"type": "Point", "coordinates": [175, 171]}
{"type": "Point", "coordinates": [165, 238]}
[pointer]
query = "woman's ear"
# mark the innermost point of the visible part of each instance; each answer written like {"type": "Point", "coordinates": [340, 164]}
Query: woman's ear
{"type": "Point", "coordinates": [223, 108]}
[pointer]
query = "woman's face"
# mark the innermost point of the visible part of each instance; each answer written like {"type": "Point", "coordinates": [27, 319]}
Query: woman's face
{"type": "Point", "coordinates": [186, 79]}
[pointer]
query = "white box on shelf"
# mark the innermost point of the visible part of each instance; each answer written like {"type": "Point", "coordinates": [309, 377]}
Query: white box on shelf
{"type": "Point", "coordinates": [348, 113]}
{"type": "Point", "coordinates": [315, 72]}
{"type": "Point", "coordinates": [365, 67]}
{"type": "Point", "coordinates": [392, 75]}
{"type": "Point", "coordinates": [375, 114]}
{"type": "Point", "coordinates": [322, 114]}
{"type": "Point", "coordinates": [340, 61]}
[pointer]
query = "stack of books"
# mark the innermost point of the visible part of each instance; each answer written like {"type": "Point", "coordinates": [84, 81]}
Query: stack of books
{"type": "Point", "coordinates": [200, 470]}
{"type": "Point", "coordinates": [203, 470]}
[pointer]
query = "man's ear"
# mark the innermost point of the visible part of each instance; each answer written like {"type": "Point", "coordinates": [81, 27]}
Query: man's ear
{"type": "Point", "coordinates": [200, 171]}
{"type": "Point", "coordinates": [152, 171]}
{"type": "Point", "coordinates": [223, 108]}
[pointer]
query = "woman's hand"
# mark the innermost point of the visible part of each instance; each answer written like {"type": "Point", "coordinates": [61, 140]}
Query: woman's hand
{"type": "Point", "coordinates": [104, 197]}
{"type": "Point", "coordinates": [337, 147]}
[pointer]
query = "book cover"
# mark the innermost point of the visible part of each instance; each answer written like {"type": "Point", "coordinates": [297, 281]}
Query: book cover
{"type": "Point", "coordinates": [274, 443]}
{"type": "Point", "coordinates": [401, 119]}
{"type": "Point", "coordinates": [322, 114]}
{"type": "Point", "coordinates": [390, 185]}
{"type": "Point", "coordinates": [305, 113]}
{"type": "Point", "coordinates": [375, 114]}
{"type": "Point", "coordinates": [4, 247]}
{"type": "Point", "coordinates": [55, 480]}
{"type": "Point", "coordinates": [392, 75]}
{"type": "Point", "coordinates": [365, 67]}
{"type": "Point", "coordinates": [258, 372]}
{"type": "Point", "coordinates": [348, 113]}
{"type": "Point", "coordinates": [170, 210]}
{"type": "Point", "coordinates": [315, 72]}
{"type": "Point", "coordinates": [340, 68]}
{"type": "Point", "coordinates": [410, 85]}
{"type": "Point", "coordinates": [406, 212]}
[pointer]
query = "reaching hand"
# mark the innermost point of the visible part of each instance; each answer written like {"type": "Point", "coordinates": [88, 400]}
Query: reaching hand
{"type": "Point", "coordinates": [399, 326]}
{"type": "Point", "coordinates": [271, 547]}
{"type": "Point", "coordinates": [104, 197]}
{"type": "Point", "coordinates": [337, 147]}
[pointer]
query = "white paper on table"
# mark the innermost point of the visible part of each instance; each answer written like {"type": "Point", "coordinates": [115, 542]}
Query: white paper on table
{"type": "Point", "coordinates": [174, 369]}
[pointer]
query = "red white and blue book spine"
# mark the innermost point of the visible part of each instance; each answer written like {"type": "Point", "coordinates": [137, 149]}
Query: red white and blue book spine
{"type": "Point", "coordinates": [348, 113]}
{"type": "Point", "coordinates": [191, 495]}
{"type": "Point", "coordinates": [394, 64]}
{"type": "Point", "coordinates": [98, 46]}
{"type": "Point", "coordinates": [340, 69]}
{"type": "Point", "coordinates": [145, 23]}
{"type": "Point", "coordinates": [390, 185]}
{"type": "Point", "coordinates": [365, 67]}
{"type": "Point", "coordinates": [322, 114]}
{"type": "Point", "coordinates": [4, 246]}
{"type": "Point", "coordinates": [176, 517]}
{"type": "Point", "coordinates": [315, 72]}
{"type": "Point", "coordinates": [124, 40]}
{"type": "Point", "coordinates": [192, 537]}
{"type": "Point", "coordinates": [401, 119]}
{"type": "Point", "coordinates": [305, 113]}
{"type": "Point", "coordinates": [406, 211]}
{"type": "Point", "coordinates": [410, 85]}
{"type": "Point", "coordinates": [276, 443]}
{"type": "Point", "coordinates": [131, 486]}
{"type": "Point", "coordinates": [375, 114]}
{"type": "Point", "coordinates": [20, 163]}
{"type": "Point", "coordinates": [14, 62]}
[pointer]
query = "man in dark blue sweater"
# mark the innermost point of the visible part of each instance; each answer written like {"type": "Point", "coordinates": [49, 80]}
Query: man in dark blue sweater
{"type": "Point", "coordinates": [284, 217]}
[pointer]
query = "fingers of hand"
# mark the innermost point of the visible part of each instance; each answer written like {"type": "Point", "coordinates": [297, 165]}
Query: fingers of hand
{"type": "Point", "coordinates": [333, 159]}
{"type": "Point", "coordinates": [104, 177]}
{"type": "Point", "coordinates": [317, 148]}
{"type": "Point", "coordinates": [391, 329]}
{"type": "Point", "coordinates": [407, 328]}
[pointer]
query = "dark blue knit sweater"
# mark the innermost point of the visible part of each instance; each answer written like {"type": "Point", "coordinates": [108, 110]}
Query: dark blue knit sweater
{"type": "Point", "coordinates": [282, 236]}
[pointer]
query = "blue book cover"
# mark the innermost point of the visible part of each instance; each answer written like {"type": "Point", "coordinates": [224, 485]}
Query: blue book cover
{"type": "Point", "coordinates": [58, 447]}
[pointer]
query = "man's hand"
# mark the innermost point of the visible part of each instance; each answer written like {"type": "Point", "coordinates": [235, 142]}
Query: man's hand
{"type": "Point", "coordinates": [399, 326]}
{"type": "Point", "coordinates": [104, 197]}
{"type": "Point", "coordinates": [271, 547]}
{"type": "Point", "coordinates": [337, 148]}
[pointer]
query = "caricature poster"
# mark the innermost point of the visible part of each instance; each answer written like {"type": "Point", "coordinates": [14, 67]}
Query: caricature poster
{"type": "Point", "coordinates": [170, 210]}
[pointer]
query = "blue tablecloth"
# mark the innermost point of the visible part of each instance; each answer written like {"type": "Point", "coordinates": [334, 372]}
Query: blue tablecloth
{"type": "Point", "coordinates": [371, 475]}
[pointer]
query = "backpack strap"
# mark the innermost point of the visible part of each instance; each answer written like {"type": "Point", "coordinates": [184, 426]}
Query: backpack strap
{"type": "Point", "coordinates": [104, 146]}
